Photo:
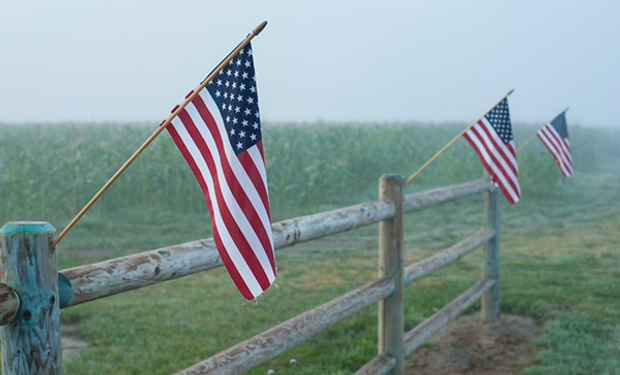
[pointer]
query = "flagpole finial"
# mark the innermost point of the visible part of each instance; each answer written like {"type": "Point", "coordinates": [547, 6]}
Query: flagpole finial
{"type": "Point", "coordinates": [567, 108]}
{"type": "Point", "coordinates": [510, 92]}
{"type": "Point", "coordinates": [259, 28]}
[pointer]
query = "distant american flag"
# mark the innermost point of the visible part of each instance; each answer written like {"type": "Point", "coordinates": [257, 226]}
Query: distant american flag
{"type": "Point", "coordinates": [219, 134]}
{"type": "Point", "coordinates": [554, 136]}
{"type": "Point", "coordinates": [492, 139]}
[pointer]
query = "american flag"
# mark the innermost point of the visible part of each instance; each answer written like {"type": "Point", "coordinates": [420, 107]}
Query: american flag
{"type": "Point", "coordinates": [491, 137]}
{"type": "Point", "coordinates": [219, 134]}
{"type": "Point", "coordinates": [554, 136]}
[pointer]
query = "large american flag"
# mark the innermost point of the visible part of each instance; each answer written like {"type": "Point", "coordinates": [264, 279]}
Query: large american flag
{"type": "Point", "coordinates": [554, 136]}
{"type": "Point", "coordinates": [219, 134]}
{"type": "Point", "coordinates": [491, 137]}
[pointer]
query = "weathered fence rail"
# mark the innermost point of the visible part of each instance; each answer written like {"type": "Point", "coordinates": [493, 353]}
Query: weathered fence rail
{"type": "Point", "coordinates": [277, 340]}
{"type": "Point", "coordinates": [119, 275]}
{"type": "Point", "coordinates": [86, 283]}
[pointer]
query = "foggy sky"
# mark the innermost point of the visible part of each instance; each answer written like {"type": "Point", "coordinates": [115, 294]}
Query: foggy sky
{"type": "Point", "coordinates": [316, 60]}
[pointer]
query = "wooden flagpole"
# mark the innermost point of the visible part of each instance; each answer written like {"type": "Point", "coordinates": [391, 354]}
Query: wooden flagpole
{"type": "Point", "coordinates": [455, 138]}
{"type": "Point", "coordinates": [532, 137]}
{"type": "Point", "coordinates": [526, 143]}
{"type": "Point", "coordinates": [161, 128]}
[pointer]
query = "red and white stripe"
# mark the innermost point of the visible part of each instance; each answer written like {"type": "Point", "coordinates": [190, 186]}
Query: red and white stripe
{"type": "Point", "coordinates": [235, 188]}
{"type": "Point", "coordinates": [559, 148]}
{"type": "Point", "coordinates": [498, 158]}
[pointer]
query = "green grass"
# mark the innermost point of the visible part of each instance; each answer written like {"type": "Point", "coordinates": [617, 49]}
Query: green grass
{"type": "Point", "coordinates": [560, 252]}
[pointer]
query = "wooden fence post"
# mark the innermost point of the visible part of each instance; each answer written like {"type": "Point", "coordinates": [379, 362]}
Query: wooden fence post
{"type": "Point", "coordinates": [391, 316]}
{"type": "Point", "coordinates": [490, 267]}
{"type": "Point", "coordinates": [31, 342]}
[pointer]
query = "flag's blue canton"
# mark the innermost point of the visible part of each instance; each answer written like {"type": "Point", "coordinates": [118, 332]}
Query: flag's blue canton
{"type": "Point", "coordinates": [234, 92]}
{"type": "Point", "coordinates": [559, 124]}
{"type": "Point", "coordinates": [499, 117]}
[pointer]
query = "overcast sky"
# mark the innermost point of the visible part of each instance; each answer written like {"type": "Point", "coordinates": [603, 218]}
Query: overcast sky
{"type": "Point", "coordinates": [330, 60]}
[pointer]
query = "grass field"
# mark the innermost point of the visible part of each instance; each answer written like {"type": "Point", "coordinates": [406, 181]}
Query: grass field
{"type": "Point", "coordinates": [560, 244]}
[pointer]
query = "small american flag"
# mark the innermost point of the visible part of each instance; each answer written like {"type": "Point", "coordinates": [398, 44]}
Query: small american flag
{"type": "Point", "coordinates": [219, 134]}
{"type": "Point", "coordinates": [491, 137]}
{"type": "Point", "coordinates": [554, 136]}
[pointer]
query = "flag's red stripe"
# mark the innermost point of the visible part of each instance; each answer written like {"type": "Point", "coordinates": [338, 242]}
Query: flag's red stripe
{"type": "Point", "coordinates": [228, 263]}
{"type": "Point", "coordinates": [235, 232]}
{"type": "Point", "coordinates": [500, 149]}
{"type": "Point", "coordinates": [494, 159]}
{"type": "Point", "coordinates": [259, 146]}
{"type": "Point", "coordinates": [566, 146]}
{"type": "Point", "coordinates": [548, 136]}
{"type": "Point", "coordinates": [490, 170]}
{"type": "Point", "coordinates": [250, 168]}
{"type": "Point", "coordinates": [556, 142]}
{"type": "Point", "coordinates": [243, 200]}
{"type": "Point", "coordinates": [265, 198]}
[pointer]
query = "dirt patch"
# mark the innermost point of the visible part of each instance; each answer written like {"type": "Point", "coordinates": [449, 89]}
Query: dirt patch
{"type": "Point", "coordinates": [469, 347]}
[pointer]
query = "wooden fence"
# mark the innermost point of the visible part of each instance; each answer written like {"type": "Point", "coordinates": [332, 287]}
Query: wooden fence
{"type": "Point", "coordinates": [33, 291]}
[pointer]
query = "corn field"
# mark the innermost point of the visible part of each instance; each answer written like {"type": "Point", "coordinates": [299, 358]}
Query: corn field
{"type": "Point", "coordinates": [50, 171]}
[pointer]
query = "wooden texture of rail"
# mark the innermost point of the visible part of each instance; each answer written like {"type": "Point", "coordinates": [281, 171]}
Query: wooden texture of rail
{"type": "Point", "coordinates": [267, 345]}
{"type": "Point", "coordinates": [89, 282]}
{"type": "Point", "coordinates": [418, 335]}
{"type": "Point", "coordinates": [448, 256]}
{"type": "Point", "coordinates": [285, 336]}
{"type": "Point", "coordinates": [99, 280]}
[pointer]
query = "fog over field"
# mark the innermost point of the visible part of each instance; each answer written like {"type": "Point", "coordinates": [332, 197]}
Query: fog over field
{"type": "Point", "coordinates": [394, 60]}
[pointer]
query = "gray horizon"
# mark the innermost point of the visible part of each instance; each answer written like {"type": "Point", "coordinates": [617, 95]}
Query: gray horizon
{"type": "Point", "coordinates": [364, 62]}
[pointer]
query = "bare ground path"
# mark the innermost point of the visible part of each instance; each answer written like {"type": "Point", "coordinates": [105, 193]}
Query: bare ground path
{"type": "Point", "coordinates": [469, 347]}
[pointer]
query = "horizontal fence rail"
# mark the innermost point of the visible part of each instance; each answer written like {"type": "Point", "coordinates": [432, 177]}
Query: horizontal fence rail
{"type": "Point", "coordinates": [435, 197]}
{"type": "Point", "coordinates": [135, 271]}
{"type": "Point", "coordinates": [89, 282]}
{"type": "Point", "coordinates": [446, 257]}
{"type": "Point", "coordinates": [246, 355]}
{"type": "Point", "coordinates": [424, 330]}
{"type": "Point", "coordinates": [380, 365]}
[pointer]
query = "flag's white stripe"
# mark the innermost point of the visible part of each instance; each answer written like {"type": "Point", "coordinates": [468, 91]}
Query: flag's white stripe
{"type": "Point", "coordinates": [503, 177]}
{"type": "Point", "coordinates": [550, 139]}
{"type": "Point", "coordinates": [501, 159]}
{"type": "Point", "coordinates": [244, 225]}
{"type": "Point", "coordinates": [561, 146]}
{"type": "Point", "coordinates": [500, 178]}
{"type": "Point", "coordinates": [566, 147]}
{"type": "Point", "coordinates": [556, 139]}
{"type": "Point", "coordinates": [474, 135]}
{"type": "Point", "coordinates": [230, 246]}
{"type": "Point", "coordinates": [242, 176]}
{"type": "Point", "coordinates": [511, 157]}
{"type": "Point", "coordinates": [257, 158]}
{"type": "Point", "coordinates": [231, 202]}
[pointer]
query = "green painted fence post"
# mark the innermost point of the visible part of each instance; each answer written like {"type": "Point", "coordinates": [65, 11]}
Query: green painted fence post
{"type": "Point", "coordinates": [490, 267]}
{"type": "Point", "coordinates": [31, 342]}
{"type": "Point", "coordinates": [391, 264]}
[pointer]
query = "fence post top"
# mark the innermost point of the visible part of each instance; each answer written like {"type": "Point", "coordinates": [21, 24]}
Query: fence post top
{"type": "Point", "coordinates": [392, 176]}
{"type": "Point", "coordinates": [26, 227]}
